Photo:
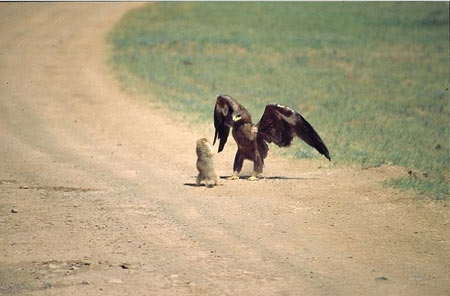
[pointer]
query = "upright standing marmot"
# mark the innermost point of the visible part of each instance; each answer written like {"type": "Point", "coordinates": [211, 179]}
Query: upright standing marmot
{"type": "Point", "coordinates": [205, 164]}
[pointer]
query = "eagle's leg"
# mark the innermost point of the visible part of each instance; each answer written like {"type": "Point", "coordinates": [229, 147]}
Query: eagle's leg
{"type": "Point", "coordinates": [258, 165]}
{"type": "Point", "coordinates": [237, 166]}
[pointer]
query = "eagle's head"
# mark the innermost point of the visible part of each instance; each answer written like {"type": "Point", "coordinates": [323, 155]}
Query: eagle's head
{"type": "Point", "coordinates": [240, 117]}
{"type": "Point", "coordinates": [236, 117]}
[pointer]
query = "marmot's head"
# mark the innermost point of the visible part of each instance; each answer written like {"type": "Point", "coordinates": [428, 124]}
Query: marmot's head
{"type": "Point", "coordinates": [204, 149]}
{"type": "Point", "coordinates": [202, 141]}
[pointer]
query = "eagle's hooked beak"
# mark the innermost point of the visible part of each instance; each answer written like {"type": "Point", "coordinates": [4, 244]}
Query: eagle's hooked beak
{"type": "Point", "coordinates": [236, 117]}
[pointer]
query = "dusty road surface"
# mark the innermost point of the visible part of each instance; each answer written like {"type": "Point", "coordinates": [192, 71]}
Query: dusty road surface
{"type": "Point", "coordinates": [96, 194]}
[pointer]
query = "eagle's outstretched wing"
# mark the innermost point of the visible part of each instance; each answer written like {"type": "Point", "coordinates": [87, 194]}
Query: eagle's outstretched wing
{"type": "Point", "coordinates": [225, 106]}
{"type": "Point", "coordinates": [279, 124]}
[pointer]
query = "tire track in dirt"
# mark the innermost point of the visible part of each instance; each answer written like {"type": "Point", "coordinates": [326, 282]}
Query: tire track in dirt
{"type": "Point", "coordinates": [66, 128]}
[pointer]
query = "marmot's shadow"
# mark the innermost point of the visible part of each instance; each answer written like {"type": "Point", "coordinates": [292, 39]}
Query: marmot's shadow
{"type": "Point", "coordinates": [194, 185]}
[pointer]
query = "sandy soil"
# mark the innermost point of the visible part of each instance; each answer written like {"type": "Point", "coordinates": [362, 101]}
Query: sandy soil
{"type": "Point", "coordinates": [97, 195]}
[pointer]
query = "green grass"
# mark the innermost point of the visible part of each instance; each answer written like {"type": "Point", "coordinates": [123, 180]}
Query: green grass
{"type": "Point", "coordinates": [372, 78]}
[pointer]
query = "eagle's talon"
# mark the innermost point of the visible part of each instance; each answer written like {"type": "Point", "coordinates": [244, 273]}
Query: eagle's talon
{"type": "Point", "coordinates": [234, 177]}
{"type": "Point", "coordinates": [252, 178]}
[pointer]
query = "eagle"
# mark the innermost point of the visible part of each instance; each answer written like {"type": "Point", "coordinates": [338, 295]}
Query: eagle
{"type": "Point", "coordinates": [279, 124]}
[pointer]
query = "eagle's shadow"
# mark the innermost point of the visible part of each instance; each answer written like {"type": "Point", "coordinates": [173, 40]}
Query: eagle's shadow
{"type": "Point", "coordinates": [268, 178]}
{"type": "Point", "coordinates": [245, 177]}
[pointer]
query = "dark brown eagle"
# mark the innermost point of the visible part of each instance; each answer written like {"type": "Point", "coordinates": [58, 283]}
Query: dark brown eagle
{"type": "Point", "coordinates": [279, 124]}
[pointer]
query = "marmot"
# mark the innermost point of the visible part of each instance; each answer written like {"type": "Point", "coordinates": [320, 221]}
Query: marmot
{"type": "Point", "coordinates": [205, 164]}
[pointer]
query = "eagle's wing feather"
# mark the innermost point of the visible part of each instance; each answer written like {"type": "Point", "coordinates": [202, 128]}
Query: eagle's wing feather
{"type": "Point", "coordinates": [223, 111]}
{"type": "Point", "coordinates": [279, 124]}
{"type": "Point", "coordinates": [221, 116]}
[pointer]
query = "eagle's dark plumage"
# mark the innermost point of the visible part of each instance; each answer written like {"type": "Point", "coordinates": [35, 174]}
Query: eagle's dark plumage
{"type": "Point", "coordinates": [279, 125]}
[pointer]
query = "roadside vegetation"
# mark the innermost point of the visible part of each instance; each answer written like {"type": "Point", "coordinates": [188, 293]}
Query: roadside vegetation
{"type": "Point", "coordinates": [372, 78]}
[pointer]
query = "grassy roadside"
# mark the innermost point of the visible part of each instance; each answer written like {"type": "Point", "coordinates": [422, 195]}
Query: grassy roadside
{"type": "Point", "coordinates": [372, 78]}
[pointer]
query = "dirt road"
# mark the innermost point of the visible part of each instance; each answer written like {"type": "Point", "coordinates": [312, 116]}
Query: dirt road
{"type": "Point", "coordinates": [96, 194]}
